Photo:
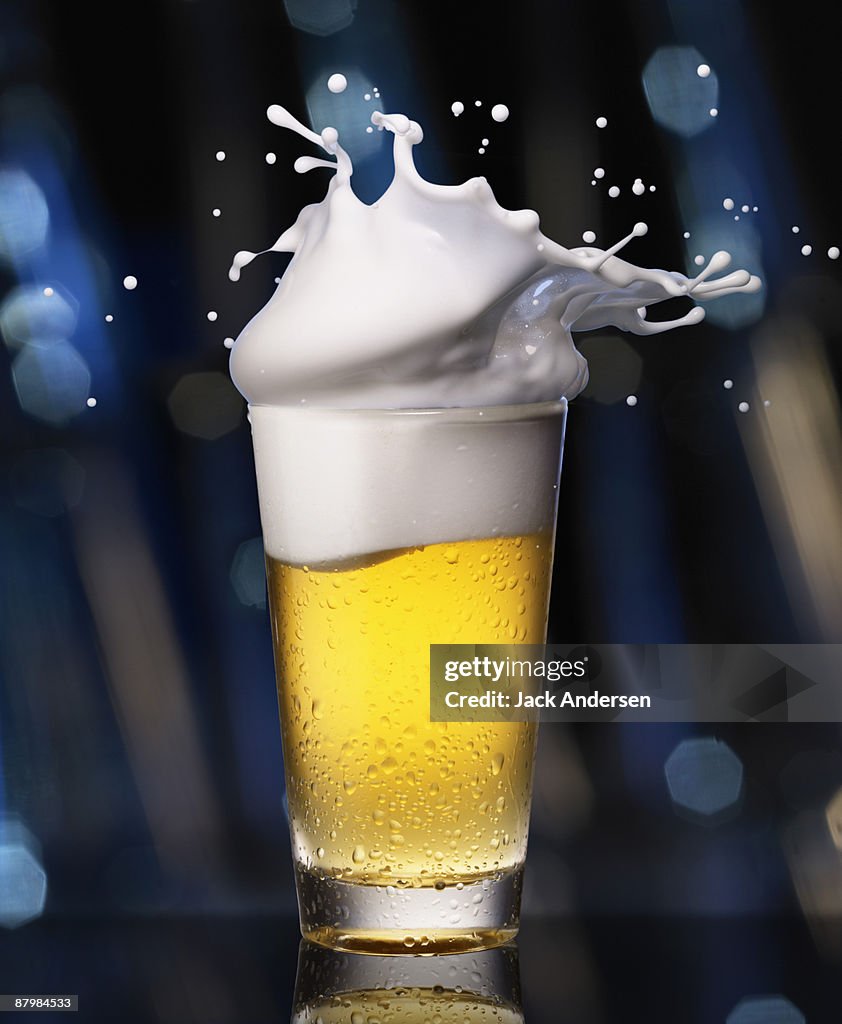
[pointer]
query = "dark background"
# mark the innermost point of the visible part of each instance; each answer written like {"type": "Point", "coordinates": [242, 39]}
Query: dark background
{"type": "Point", "coordinates": [141, 766]}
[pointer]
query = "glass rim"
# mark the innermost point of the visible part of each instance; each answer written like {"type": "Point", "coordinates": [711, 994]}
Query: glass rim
{"type": "Point", "coordinates": [458, 414]}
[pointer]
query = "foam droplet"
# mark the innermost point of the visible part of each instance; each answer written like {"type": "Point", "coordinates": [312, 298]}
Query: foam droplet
{"type": "Point", "coordinates": [499, 112]}
{"type": "Point", "coordinates": [216, 212]}
{"type": "Point", "coordinates": [228, 343]}
{"type": "Point", "coordinates": [795, 229]}
{"type": "Point", "coordinates": [744, 209]}
{"type": "Point", "coordinates": [614, 191]}
{"type": "Point", "coordinates": [728, 204]}
{"type": "Point", "coordinates": [108, 318]}
{"type": "Point", "coordinates": [602, 122]}
{"type": "Point", "coordinates": [703, 70]}
{"type": "Point", "coordinates": [833, 252]}
{"type": "Point", "coordinates": [686, 234]}
{"type": "Point", "coordinates": [744, 407]}
{"type": "Point", "coordinates": [457, 108]}
{"type": "Point", "coordinates": [91, 402]}
{"type": "Point", "coordinates": [631, 400]}
{"type": "Point", "coordinates": [270, 158]}
{"type": "Point", "coordinates": [728, 384]}
{"type": "Point", "coordinates": [48, 291]}
{"type": "Point", "coordinates": [638, 187]}
{"type": "Point", "coordinates": [212, 315]}
{"type": "Point", "coordinates": [477, 103]}
{"type": "Point", "coordinates": [589, 237]}
{"type": "Point", "coordinates": [806, 250]}
{"type": "Point", "coordinates": [699, 260]}
{"type": "Point", "coordinates": [599, 172]}
{"type": "Point", "coordinates": [130, 282]}
{"type": "Point", "coordinates": [337, 83]}
{"type": "Point", "coordinates": [220, 155]}
{"type": "Point", "coordinates": [714, 112]}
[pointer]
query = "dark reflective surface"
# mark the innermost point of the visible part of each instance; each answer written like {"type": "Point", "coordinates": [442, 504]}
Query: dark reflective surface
{"type": "Point", "coordinates": [601, 970]}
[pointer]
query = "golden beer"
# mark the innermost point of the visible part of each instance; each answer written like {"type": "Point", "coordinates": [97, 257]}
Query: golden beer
{"type": "Point", "coordinates": [378, 794]}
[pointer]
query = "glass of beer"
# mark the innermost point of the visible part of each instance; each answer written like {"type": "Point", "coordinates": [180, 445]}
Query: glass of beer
{"type": "Point", "coordinates": [387, 531]}
{"type": "Point", "coordinates": [335, 988]}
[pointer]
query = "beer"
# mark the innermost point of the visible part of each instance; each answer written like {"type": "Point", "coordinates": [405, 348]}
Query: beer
{"type": "Point", "coordinates": [408, 1006]}
{"type": "Point", "coordinates": [379, 795]}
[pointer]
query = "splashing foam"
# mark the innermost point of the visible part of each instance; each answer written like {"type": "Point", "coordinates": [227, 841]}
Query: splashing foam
{"type": "Point", "coordinates": [436, 296]}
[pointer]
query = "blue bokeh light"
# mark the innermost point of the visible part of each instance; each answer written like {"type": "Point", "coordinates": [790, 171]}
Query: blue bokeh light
{"type": "Point", "coordinates": [52, 381]}
{"type": "Point", "coordinates": [23, 881]}
{"type": "Point", "coordinates": [704, 777]}
{"type": "Point", "coordinates": [24, 216]}
{"type": "Point", "coordinates": [248, 573]}
{"type": "Point", "coordinates": [765, 1010]}
{"type": "Point", "coordinates": [28, 314]}
{"type": "Point", "coordinates": [320, 17]}
{"type": "Point", "coordinates": [679, 99]}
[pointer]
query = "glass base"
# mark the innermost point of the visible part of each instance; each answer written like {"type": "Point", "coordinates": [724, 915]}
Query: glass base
{"type": "Point", "coordinates": [426, 921]}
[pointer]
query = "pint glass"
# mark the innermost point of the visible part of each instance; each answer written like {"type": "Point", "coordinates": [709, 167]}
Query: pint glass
{"type": "Point", "coordinates": [387, 531]}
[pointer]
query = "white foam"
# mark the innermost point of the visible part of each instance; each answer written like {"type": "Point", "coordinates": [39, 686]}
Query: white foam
{"type": "Point", "coordinates": [431, 298]}
{"type": "Point", "coordinates": [335, 485]}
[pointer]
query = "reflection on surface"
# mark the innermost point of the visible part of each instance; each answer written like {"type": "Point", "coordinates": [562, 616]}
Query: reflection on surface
{"type": "Point", "coordinates": [466, 988]}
